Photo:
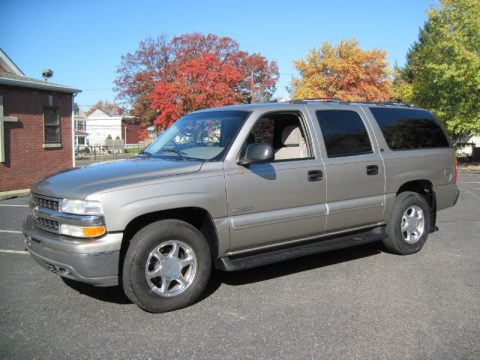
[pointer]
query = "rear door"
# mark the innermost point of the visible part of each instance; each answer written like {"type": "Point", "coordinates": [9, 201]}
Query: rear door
{"type": "Point", "coordinates": [355, 174]}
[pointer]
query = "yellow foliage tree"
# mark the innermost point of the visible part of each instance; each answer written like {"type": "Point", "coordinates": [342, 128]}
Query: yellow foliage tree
{"type": "Point", "coordinates": [344, 72]}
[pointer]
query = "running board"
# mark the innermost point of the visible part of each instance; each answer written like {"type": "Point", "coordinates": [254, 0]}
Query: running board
{"type": "Point", "coordinates": [252, 260]}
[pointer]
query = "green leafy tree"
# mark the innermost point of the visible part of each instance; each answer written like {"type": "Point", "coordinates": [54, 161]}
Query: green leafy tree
{"type": "Point", "coordinates": [402, 90]}
{"type": "Point", "coordinates": [443, 66]}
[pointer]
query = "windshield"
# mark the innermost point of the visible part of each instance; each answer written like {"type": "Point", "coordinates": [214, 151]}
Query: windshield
{"type": "Point", "coordinates": [201, 136]}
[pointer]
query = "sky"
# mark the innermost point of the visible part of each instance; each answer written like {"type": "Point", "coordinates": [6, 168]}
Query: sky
{"type": "Point", "coordinates": [82, 41]}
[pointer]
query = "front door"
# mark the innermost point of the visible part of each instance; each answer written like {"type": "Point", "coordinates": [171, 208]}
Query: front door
{"type": "Point", "coordinates": [280, 201]}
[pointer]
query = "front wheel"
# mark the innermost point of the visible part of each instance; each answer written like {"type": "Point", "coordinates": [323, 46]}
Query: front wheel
{"type": "Point", "coordinates": [167, 266]}
{"type": "Point", "coordinates": [407, 230]}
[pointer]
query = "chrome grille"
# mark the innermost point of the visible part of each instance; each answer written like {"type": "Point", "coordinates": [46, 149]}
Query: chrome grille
{"type": "Point", "coordinates": [45, 202]}
{"type": "Point", "coordinates": [47, 224]}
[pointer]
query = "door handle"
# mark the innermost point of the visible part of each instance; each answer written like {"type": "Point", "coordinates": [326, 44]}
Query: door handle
{"type": "Point", "coordinates": [372, 170]}
{"type": "Point", "coordinates": [315, 175]}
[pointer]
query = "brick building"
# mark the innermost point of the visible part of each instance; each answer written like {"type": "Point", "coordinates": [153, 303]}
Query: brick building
{"type": "Point", "coordinates": [36, 132]}
{"type": "Point", "coordinates": [131, 130]}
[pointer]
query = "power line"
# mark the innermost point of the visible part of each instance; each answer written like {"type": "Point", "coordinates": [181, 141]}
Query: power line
{"type": "Point", "coordinates": [96, 89]}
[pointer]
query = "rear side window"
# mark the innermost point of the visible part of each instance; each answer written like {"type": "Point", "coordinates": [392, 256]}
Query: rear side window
{"type": "Point", "coordinates": [344, 133]}
{"type": "Point", "coordinates": [406, 129]}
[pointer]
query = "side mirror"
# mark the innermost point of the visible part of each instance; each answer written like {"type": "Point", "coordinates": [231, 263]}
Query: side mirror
{"type": "Point", "coordinates": [257, 153]}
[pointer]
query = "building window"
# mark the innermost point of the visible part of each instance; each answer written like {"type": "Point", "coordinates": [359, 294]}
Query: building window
{"type": "Point", "coordinates": [51, 124]}
{"type": "Point", "coordinates": [80, 125]}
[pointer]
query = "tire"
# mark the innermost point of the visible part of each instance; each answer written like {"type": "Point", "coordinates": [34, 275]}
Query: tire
{"type": "Point", "coordinates": [407, 230]}
{"type": "Point", "coordinates": [167, 266]}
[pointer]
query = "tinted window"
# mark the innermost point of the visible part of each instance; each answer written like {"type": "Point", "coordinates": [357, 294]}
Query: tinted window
{"type": "Point", "coordinates": [409, 128]}
{"type": "Point", "coordinates": [344, 133]}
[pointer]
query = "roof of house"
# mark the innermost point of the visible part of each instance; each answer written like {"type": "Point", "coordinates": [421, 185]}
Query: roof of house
{"type": "Point", "coordinates": [99, 114]}
{"type": "Point", "coordinates": [10, 74]}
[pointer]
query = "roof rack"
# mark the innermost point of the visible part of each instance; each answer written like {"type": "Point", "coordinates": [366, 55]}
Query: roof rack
{"type": "Point", "coordinates": [395, 103]}
{"type": "Point", "coordinates": [345, 102]}
{"type": "Point", "coordinates": [380, 103]}
{"type": "Point", "coordinates": [307, 100]}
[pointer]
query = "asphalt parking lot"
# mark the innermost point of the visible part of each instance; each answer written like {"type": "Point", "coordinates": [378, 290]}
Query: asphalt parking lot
{"type": "Point", "coordinates": [357, 303]}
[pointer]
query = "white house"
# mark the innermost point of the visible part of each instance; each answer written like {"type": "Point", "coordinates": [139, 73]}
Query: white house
{"type": "Point", "coordinates": [80, 128]}
{"type": "Point", "coordinates": [475, 139]}
{"type": "Point", "coordinates": [469, 146]}
{"type": "Point", "coordinates": [100, 126]}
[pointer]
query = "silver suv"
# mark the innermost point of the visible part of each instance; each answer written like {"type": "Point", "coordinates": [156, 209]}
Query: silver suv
{"type": "Point", "coordinates": [244, 186]}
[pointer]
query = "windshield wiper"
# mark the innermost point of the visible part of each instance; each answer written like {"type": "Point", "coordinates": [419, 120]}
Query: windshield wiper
{"type": "Point", "coordinates": [145, 153]}
{"type": "Point", "coordinates": [181, 154]}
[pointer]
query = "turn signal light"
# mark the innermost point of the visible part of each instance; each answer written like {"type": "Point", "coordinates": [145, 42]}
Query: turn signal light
{"type": "Point", "coordinates": [94, 231]}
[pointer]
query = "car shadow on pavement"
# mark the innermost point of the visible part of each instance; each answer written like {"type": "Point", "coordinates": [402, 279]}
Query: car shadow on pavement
{"type": "Point", "coordinates": [299, 264]}
{"type": "Point", "coordinates": [112, 294]}
{"type": "Point", "coordinates": [115, 294]}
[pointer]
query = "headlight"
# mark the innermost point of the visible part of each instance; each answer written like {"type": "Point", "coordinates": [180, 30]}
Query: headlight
{"type": "Point", "coordinates": [82, 231]}
{"type": "Point", "coordinates": [81, 207]}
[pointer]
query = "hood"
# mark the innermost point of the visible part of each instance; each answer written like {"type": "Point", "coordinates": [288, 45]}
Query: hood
{"type": "Point", "coordinates": [77, 183]}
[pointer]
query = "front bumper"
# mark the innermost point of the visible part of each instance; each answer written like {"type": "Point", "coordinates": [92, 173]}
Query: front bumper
{"type": "Point", "coordinates": [92, 261]}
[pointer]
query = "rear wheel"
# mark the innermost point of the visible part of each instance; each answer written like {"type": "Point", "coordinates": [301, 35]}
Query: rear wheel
{"type": "Point", "coordinates": [167, 266]}
{"type": "Point", "coordinates": [407, 230]}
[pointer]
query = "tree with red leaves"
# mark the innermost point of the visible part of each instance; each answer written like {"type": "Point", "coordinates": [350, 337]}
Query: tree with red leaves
{"type": "Point", "coordinates": [190, 72]}
{"type": "Point", "coordinates": [137, 75]}
{"type": "Point", "coordinates": [260, 77]}
{"type": "Point", "coordinates": [200, 82]}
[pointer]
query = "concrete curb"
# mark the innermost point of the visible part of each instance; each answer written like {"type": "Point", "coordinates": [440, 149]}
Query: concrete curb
{"type": "Point", "coordinates": [13, 194]}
